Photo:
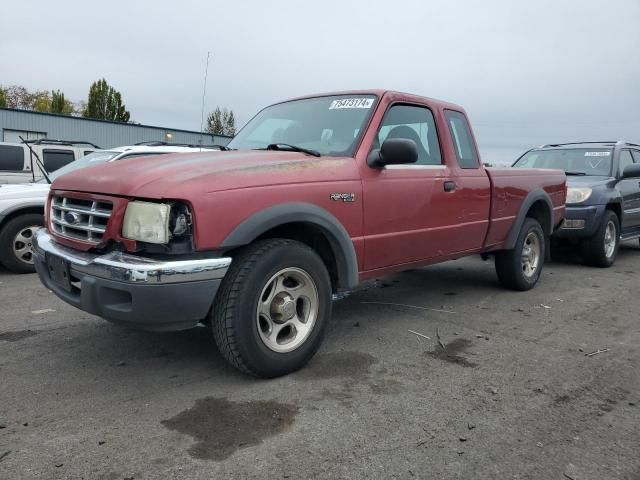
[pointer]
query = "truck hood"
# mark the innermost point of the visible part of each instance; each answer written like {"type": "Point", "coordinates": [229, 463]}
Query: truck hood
{"type": "Point", "coordinates": [23, 190]}
{"type": "Point", "coordinates": [184, 176]}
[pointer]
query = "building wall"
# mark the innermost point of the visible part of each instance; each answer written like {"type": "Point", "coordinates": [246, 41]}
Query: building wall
{"type": "Point", "coordinates": [103, 133]}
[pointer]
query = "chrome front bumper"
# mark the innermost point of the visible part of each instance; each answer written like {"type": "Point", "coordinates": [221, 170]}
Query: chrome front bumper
{"type": "Point", "coordinates": [133, 291]}
{"type": "Point", "coordinates": [124, 267]}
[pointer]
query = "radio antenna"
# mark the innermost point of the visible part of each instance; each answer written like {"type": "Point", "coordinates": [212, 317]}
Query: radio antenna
{"type": "Point", "coordinates": [204, 93]}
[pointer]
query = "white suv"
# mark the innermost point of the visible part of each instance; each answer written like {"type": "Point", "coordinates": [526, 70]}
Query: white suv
{"type": "Point", "coordinates": [22, 206]}
{"type": "Point", "coordinates": [18, 166]}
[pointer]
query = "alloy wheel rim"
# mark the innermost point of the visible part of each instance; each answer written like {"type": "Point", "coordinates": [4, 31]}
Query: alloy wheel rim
{"type": "Point", "coordinates": [530, 259]}
{"type": "Point", "coordinates": [610, 239]}
{"type": "Point", "coordinates": [23, 244]}
{"type": "Point", "coordinates": [287, 310]}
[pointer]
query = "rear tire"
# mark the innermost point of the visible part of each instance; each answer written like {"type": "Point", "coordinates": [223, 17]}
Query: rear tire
{"type": "Point", "coordinates": [601, 249]}
{"type": "Point", "coordinates": [16, 242]}
{"type": "Point", "coordinates": [520, 267]}
{"type": "Point", "coordinates": [272, 309]}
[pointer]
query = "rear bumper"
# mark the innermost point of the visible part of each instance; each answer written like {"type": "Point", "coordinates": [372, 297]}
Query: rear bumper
{"type": "Point", "coordinates": [588, 217]}
{"type": "Point", "coordinates": [135, 291]}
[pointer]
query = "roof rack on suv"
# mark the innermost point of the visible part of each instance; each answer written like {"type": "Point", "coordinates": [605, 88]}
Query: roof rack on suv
{"type": "Point", "coordinates": [572, 143]}
{"type": "Point", "coordinates": [630, 144]}
{"type": "Point", "coordinates": [51, 141]}
{"type": "Point", "coordinates": [158, 143]}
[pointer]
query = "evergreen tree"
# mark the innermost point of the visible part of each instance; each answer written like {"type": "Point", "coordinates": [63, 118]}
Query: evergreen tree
{"type": "Point", "coordinates": [3, 98]}
{"type": "Point", "coordinates": [215, 124]}
{"type": "Point", "coordinates": [221, 122]}
{"type": "Point", "coordinates": [58, 103]}
{"type": "Point", "coordinates": [105, 103]}
{"type": "Point", "coordinates": [230, 124]}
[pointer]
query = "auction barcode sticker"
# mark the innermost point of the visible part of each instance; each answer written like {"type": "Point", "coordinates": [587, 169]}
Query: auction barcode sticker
{"type": "Point", "coordinates": [351, 103]}
{"type": "Point", "coordinates": [597, 154]}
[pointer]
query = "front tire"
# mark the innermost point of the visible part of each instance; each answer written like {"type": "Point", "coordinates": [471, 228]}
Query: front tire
{"type": "Point", "coordinates": [520, 267]}
{"type": "Point", "coordinates": [16, 242]}
{"type": "Point", "coordinates": [601, 249]}
{"type": "Point", "coordinates": [272, 309]}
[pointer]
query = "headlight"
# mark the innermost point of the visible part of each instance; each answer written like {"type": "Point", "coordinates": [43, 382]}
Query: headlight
{"type": "Point", "coordinates": [578, 195]}
{"type": "Point", "coordinates": [147, 222]}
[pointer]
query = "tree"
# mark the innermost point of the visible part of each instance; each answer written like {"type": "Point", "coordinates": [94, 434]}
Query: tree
{"type": "Point", "coordinates": [105, 103]}
{"type": "Point", "coordinates": [41, 102]}
{"type": "Point", "coordinates": [3, 98]}
{"type": "Point", "coordinates": [230, 124]}
{"type": "Point", "coordinates": [59, 104]}
{"type": "Point", "coordinates": [221, 122]}
{"type": "Point", "coordinates": [215, 124]}
{"type": "Point", "coordinates": [19, 97]}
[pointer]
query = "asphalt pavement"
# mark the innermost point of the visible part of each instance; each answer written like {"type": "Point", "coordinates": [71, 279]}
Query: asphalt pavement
{"type": "Point", "coordinates": [502, 388]}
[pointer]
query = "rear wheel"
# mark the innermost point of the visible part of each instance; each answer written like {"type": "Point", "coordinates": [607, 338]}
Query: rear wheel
{"type": "Point", "coordinates": [272, 308]}
{"type": "Point", "coordinates": [16, 242]}
{"type": "Point", "coordinates": [602, 248]}
{"type": "Point", "coordinates": [520, 267]}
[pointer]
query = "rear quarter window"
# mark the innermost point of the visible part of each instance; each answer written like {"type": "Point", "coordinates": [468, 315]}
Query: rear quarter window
{"type": "Point", "coordinates": [462, 140]}
{"type": "Point", "coordinates": [11, 158]}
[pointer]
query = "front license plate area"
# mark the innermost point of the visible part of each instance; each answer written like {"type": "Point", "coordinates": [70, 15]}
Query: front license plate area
{"type": "Point", "coordinates": [59, 272]}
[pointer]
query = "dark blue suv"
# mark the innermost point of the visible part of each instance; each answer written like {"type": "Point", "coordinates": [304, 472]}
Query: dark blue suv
{"type": "Point", "coordinates": [603, 198]}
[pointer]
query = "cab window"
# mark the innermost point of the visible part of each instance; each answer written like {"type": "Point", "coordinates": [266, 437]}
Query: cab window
{"type": "Point", "coordinates": [413, 123]}
{"type": "Point", "coordinates": [462, 139]}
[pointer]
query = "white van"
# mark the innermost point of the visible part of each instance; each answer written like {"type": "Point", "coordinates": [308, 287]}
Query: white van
{"type": "Point", "coordinates": [17, 166]}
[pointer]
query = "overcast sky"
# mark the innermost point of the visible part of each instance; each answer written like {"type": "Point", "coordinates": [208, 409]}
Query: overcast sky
{"type": "Point", "coordinates": [527, 72]}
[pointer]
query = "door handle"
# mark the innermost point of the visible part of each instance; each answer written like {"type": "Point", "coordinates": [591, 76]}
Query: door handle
{"type": "Point", "coordinates": [449, 186]}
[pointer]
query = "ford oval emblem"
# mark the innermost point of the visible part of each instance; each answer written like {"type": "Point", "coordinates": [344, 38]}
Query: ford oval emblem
{"type": "Point", "coordinates": [71, 217]}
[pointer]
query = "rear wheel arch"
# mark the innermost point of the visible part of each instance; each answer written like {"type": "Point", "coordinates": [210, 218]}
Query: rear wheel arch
{"type": "Point", "coordinates": [536, 205]}
{"type": "Point", "coordinates": [308, 224]}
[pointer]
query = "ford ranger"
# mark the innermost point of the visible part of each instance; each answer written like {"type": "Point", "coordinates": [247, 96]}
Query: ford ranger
{"type": "Point", "coordinates": [316, 195]}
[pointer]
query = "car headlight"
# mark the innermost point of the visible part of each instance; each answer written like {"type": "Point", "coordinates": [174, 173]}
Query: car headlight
{"type": "Point", "coordinates": [147, 222]}
{"type": "Point", "coordinates": [578, 194]}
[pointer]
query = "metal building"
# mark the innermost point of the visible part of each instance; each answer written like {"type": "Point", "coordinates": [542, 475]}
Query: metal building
{"type": "Point", "coordinates": [104, 133]}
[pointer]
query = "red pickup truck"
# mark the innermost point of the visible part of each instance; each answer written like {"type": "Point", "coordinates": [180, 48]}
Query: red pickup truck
{"type": "Point", "coordinates": [314, 195]}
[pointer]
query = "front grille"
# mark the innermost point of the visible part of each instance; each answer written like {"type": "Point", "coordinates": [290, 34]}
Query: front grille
{"type": "Point", "coordinates": [80, 219]}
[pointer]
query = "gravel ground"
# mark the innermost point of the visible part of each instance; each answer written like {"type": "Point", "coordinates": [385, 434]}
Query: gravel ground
{"type": "Point", "coordinates": [512, 394]}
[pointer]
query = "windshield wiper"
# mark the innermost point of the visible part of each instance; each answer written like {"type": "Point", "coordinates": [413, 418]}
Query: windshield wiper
{"type": "Point", "coordinates": [577, 174]}
{"type": "Point", "coordinates": [292, 148]}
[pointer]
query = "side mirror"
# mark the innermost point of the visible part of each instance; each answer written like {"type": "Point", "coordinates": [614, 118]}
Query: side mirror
{"type": "Point", "coordinates": [631, 171]}
{"type": "Point", "coordinates": [394, 151]}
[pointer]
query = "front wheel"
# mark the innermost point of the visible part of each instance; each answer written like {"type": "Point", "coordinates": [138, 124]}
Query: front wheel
{"type": "Point", "coordinates": [602, 248]}
{"type": "Point", "coordinates": [520, 267]}
{"type": "Point", "coordinates": [272, 308]}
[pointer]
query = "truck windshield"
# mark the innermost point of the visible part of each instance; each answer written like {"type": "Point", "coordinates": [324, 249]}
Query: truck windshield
{"type": "Point", "coordinates": [328, 125]}
{"type": "Point", "coordinates": [94, 158]}
{"type": "Point", "coordinates": [579, 161]}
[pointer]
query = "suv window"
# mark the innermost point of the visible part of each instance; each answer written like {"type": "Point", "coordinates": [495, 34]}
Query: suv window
{"type": "Point", "coordinates": [625, 160]}
{"type": "Point", "coordinates": [54, 159]}
{"type": "Point", "coordinates": [636, 155]}
{"type": "Point", "coordinates": [11, 158]}
{"type": "Point", "coordinates": [414, 123]}
{"type": "Point", "coordinates": [462, 140]}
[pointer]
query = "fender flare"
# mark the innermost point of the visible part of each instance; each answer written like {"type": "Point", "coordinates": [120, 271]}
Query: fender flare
{"type": "Point", "coordinates": [339, 240]}
{"type": "Point", "coordinates": [530, 199]}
